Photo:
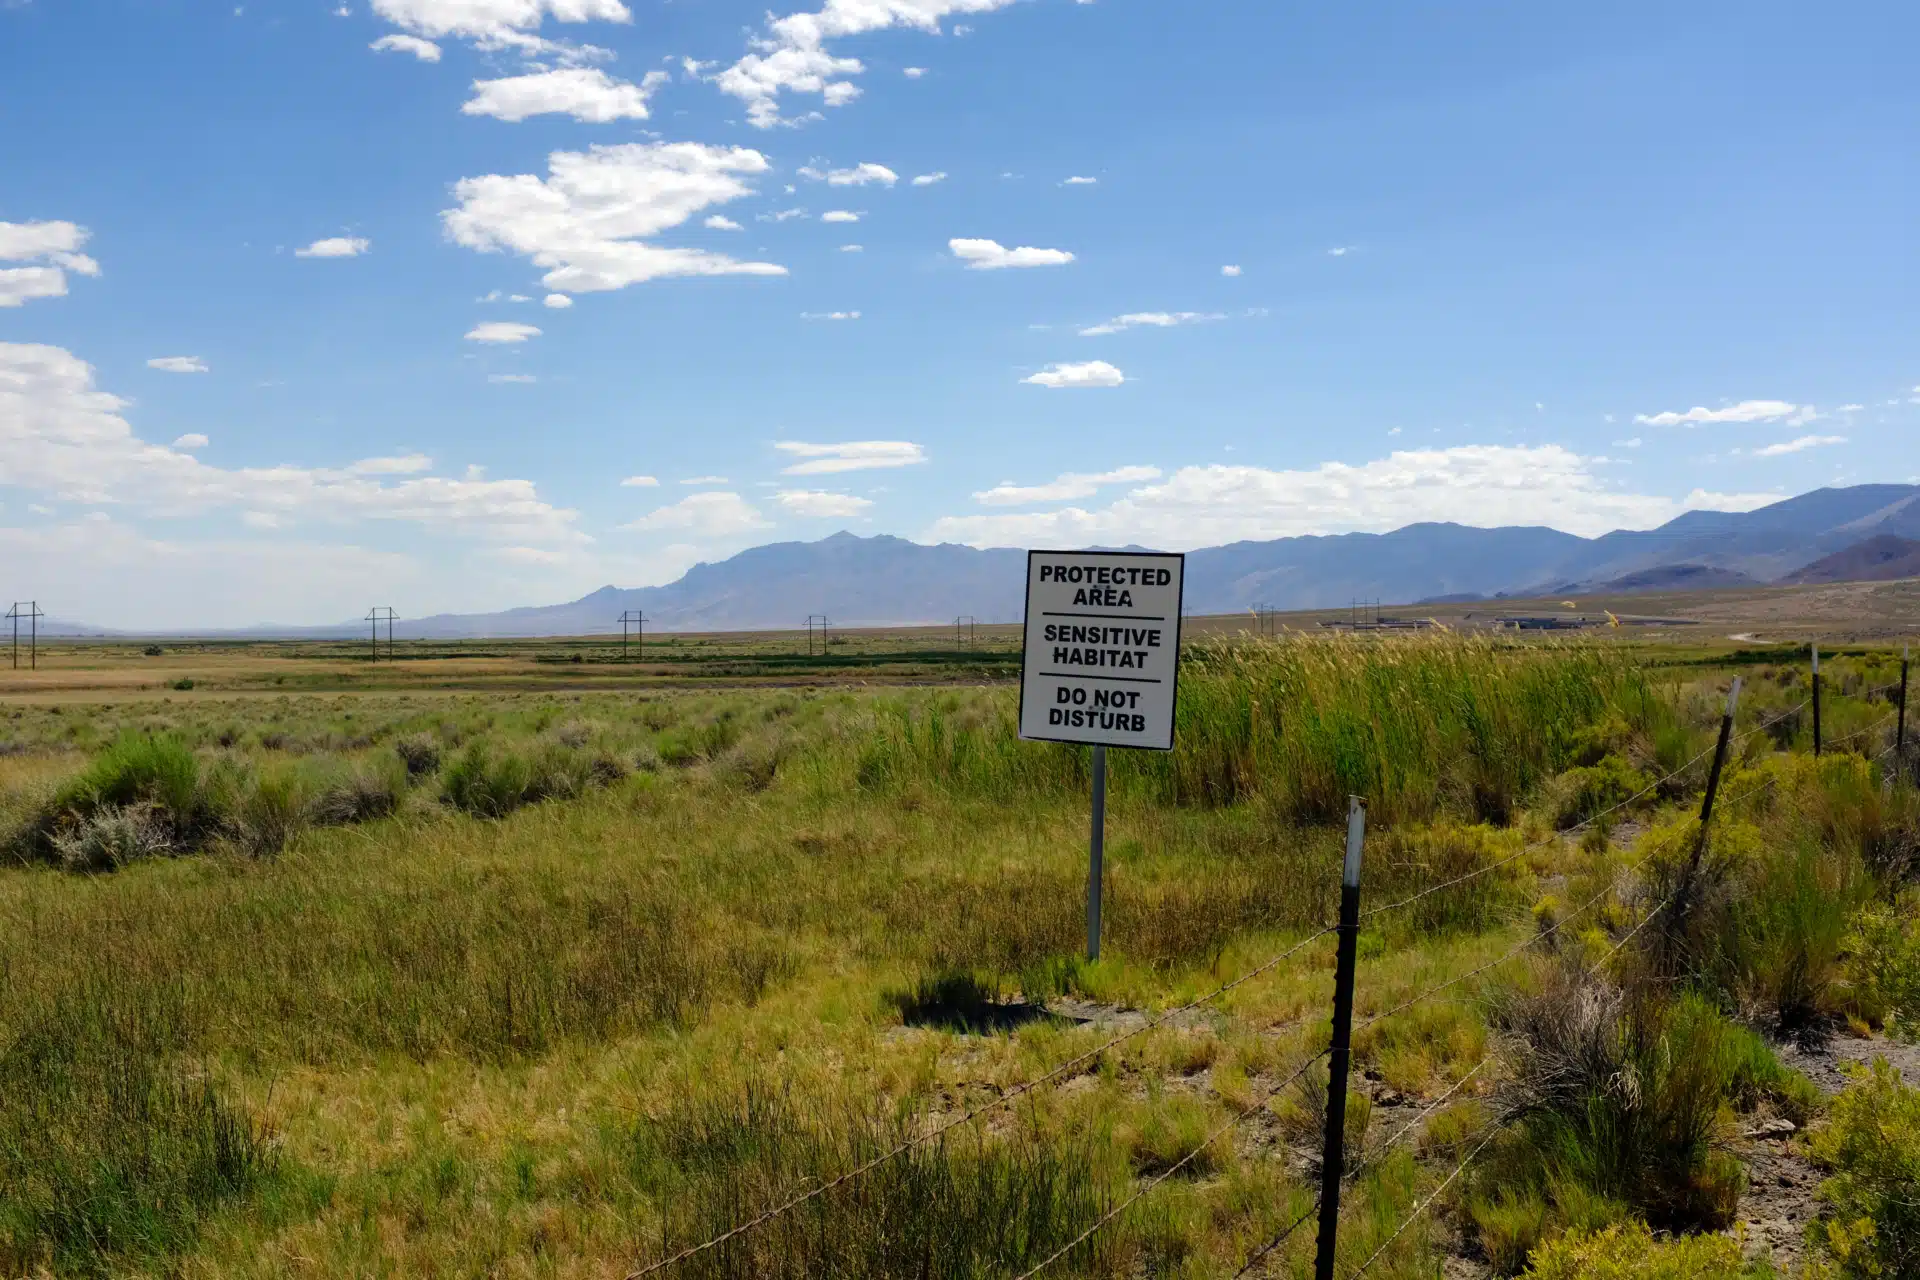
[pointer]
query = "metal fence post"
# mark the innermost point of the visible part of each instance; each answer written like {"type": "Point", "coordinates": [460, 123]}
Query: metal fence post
{"type": "Point", "coordinates": [1816, 700]}
{"type": "Point", "coordinates": [1682, 900]}
{"type": "Point", "coordinates": [1096, 852]}
{"type": "Point", "coordinates": [1333, 1157]}
{"type": "Point", "coordinates": [1900, 733]}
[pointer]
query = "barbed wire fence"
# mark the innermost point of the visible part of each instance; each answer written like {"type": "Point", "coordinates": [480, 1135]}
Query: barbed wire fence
{"type": "Point", "coordinates": [1675, 903]}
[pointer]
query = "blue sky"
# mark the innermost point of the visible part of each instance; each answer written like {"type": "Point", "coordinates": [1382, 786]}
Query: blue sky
{"type": "Point", "coordinates": [1177, 274]}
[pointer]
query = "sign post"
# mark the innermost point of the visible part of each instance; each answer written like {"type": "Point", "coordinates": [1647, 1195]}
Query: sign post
{"type": "Point", "coordinates": [1101, 667]}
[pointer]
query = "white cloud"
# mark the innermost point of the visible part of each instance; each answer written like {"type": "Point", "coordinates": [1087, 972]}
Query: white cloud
{"type": "Point", "coordinates": [1089, 373]}
{"type": "Point", "coordinates": [849, 455]}
{"type": "Point", "coordinates": [861, 175]}
{"type": "Point", "coordinates": [586, 93]}
{"type": "Point", "coordinates": [425, 50]}
{"type": "Point", "coordinates": [839, 215]}
{"type": "Point", "coordinates": [588, 221]}
{"type": "Point", "coordinates": [1150, 319]}
{"type": "Point", "coordinates": [792, 56]}
{"type": "Point", "coordinates": [1631, 442]}
{"type": "Point", "coordinates": [704, 480]}
{"type": "Point", "coordinates": [405, 464]}
{"type": "Point", "coordinates": [502, 331]}
{"type": "Point", "coordinates": [335, 247]}
{"type": "Point", "coordinates": [1796, 446]}
{"type": "Point", "coordinates": [178, 364]}
{"type": "Point", "coordinates": [1340, 251]}
{"type": "Point", "coordinates": [191, 440]}
{"type": "Point", "coordinates": [640, 482]}
{"type": "Point", "coordinates": [989, 255]}
{"type": "Point", "coordinates": [928, 179]}
{"type": "Point", "coordinates": [1745, 411]}
{"type": "Point", "coordinates": [1481, 485]}
{"type": "Point", "coordinates": [780, 215]}
{"type": "Point", "coordinates": [64, 438]}
{"type": "Point", "coordinates": [1230, 270]}
{"type": "Point", "coordinates": [556, 302]}
{"type": "Point", "coordinates": [713, 514]}
{"type": "Point", "coordinates": [1079, 182]}
{"type": "Point", "coordinates": [852, 248]}
{"type": "Point", "coordinates": [496, 24]}
{"type": "Point", "coordinates": [520, 379]}
{"type": "Point", "coordinates": [820, 504]}
{"type": "Point", "coordinates": [52, 249]}
{"type": "Point", "coordinates": [720, 222]}
{"type": "Point", "coordinates": [1063, 488]}
{"type": "Point", "coordinates": [829, 315]}
{"type": "Point", "coordinates": [1851, 408]}
{"type": "Point", "coordinates": [261, 520]}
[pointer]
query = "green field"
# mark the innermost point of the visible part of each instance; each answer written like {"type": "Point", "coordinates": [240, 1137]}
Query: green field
{"type": "Point", "coordinates": [491, 961]}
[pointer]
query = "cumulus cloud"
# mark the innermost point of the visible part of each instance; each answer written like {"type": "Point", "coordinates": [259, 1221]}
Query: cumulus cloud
{"type": "Point", "coordinates": [52, 249]}
{"type": "Point", "coordinates": [589, 221]}
{"type": "Point", "coordinates": [829, 315]}
{"type": "Point", "coordinates": [1079, 182]}
{"type": "Point", "coordinates": [1481, 485]}
{"type": "Point", "coordinates": [191, 440]}
{"type": "Point", "coordinates": [557, 302]}
{"type": "Point", "coordinates": [586, 93]}
{"type": "Point", "coordinates": [425, 50]}
{"type": "Point", "coordinates": [849, 455]}
{"type": "Point", "coordinates": [820, 504]}
{"type": "Point", "coordinates": [1798, 445]}
{"type": "Point", "coordinates": [335, 247]}
{"type": "Point", "coordinates": [495, 24]}
{"type": "Point", "coordinates": [178, 364]}
{"type": "Point", "coordinates": [989, 255]}
{"type": "Point", "coordinates": [502, 331]}
{"type": "Point", "coordinates": [852, 248]}
{"type": "Point", "coordinates": [1063, 488]}
{"type": "Point", "coordinates": [640, 482]}
{"type": "Point", "coordinates": [839, 215]}
{"type": "Point", "coordinates": [1150, 319]}
{"type": "Point", "coordinates": [792, 56]}
{"type": "Point", "coordinates": [713, 514]}
{"type": "Point", "coordinates": [704, 480]}
{"type": "Point", "coordinates": [928, 179]}
{"type": "Point", "coordinates": [1230, 270]}
{"type": "Point", "coordinates": [721, 222]}
{"type": "Point", "coordinates": [913, 73]}
{"type": "Point", "coordinates": [862, 175]}
{"type": "Point", "coordinates": [62, 436]}
{"type": "Point", "coordinates": [1745, 411]}
{"type": "Point", "coordinates": [1089, 373]}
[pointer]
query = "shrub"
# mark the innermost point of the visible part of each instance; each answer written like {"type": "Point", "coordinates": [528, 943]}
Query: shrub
{"type": "Point", "coordinates": [1872, 1228]}
{"type": "Point", "coordinates": [1628, 1251]}
{"type": "Point", "coordinates": [492, 784]}
{"type": "Point", "coordinates": [1582, 793]}
{"type": "Point", "coordinates": [150, 769]}
{"type": "Point", "coordinates": [183, 683]}
{"type": "Point", "coordinates": [1883, 965]}
{"type": "Point", "coordinates": [108, 839]}
{"type": "Point", "coordinates": [360, 796]}
{"type": "Point", "coordinates": [153, 651]}
{"type": "Point", "coordinates": [1618, 1098]}
{"type": "Point", "coordinates": [420, 753]}
{"type": "Point", "coordinates": [271, 809]}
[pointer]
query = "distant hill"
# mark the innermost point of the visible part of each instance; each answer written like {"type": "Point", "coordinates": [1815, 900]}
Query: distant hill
{"type": "Point", "coordinates": [881, 581]}
{"type": "Point", "coordinates": [1676, 577]}
{"type": "Point", "coordinates": [1881, 558]}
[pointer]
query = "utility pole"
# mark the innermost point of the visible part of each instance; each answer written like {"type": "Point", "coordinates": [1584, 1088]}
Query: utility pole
{"type": "Point", "coordinates": [33, 615]}
{"type": "Point", "coordinates": [963, 631]}
{"type": "Point", "coordinates": [817, 620]}
{"type": "Point", "coordinates": [638, 620]}
{"type": "Point", "coordinates": [376, 616]}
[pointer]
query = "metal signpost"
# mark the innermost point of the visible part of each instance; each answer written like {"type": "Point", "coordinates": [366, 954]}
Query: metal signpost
{"type": "Point", "coordinates": [1101, 666]}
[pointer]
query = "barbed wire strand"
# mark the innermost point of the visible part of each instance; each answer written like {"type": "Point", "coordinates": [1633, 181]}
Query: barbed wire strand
{"type": "Point", "coordinates": [1267, 1248]}
{"type": "Point", "coordinates": [1424, 1205]}
{"type": "Point", "coordinates": [1002, 1100]}
{"type": "Point", "coordinates": [1176, 1167]}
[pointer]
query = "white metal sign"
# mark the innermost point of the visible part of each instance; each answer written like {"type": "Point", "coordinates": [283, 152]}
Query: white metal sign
{"type": "Point", "coordinates": [1102, 647]}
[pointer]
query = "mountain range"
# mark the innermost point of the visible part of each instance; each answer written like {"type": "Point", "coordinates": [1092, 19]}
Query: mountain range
{"type": "Point", "coordinates": [1863, 531]}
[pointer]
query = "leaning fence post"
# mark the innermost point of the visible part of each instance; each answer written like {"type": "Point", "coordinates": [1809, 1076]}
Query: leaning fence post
{"type": "Point", "coordinates": [1900, 732]}
{"type": "Point", "coordinates": [1334, 1156]}
{"type": "Point", "coordinates": [1682, 899]}
{"type": "Point", "coordinates": [1816, 700]}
